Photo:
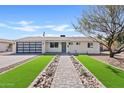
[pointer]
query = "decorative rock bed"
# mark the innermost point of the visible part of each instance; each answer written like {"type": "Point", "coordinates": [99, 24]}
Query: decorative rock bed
{"type": "Point", "coordinates": [44, 80]}
{"type": "Point", "coordinates": [88, 80]}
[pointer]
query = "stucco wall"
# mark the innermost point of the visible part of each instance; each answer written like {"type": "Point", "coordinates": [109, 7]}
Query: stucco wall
{"type": "Point", "coordinates": [82, 48]}
{"type": "Point", "coordinates": [14, 47]}
{"type": "Point", "coordinates": [48, 49]}
{"type": "Point", "coordinates": [3, 47]}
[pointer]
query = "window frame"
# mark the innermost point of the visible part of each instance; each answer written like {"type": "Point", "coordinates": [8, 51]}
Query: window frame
{"type": "Point", "coordinates": [77, 43]}
{"type": "Point", "coordinates": [54, 44]}
{"type": "Point", "coordinates": [28, 47]}
{"type": "Point", "coordinates": [70, 43]}
{"type": "Point", "coordinates": [90, 45]}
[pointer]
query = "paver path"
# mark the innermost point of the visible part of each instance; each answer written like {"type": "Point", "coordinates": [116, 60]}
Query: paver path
{"type": "Point", "coordinates": [66, 75]}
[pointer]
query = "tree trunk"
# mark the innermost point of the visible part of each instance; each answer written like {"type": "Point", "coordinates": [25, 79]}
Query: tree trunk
{"type": "Point", "coordinates": [111, 54]}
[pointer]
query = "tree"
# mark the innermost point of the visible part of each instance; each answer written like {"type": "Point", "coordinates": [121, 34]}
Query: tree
{"type": "Point", "coordinates": [105, 23]}
{"type": "Point", "coordinates": [121, 39]}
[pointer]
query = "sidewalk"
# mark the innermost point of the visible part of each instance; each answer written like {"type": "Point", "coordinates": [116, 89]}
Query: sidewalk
{"type": "Point", "coordinates": [66, 75]}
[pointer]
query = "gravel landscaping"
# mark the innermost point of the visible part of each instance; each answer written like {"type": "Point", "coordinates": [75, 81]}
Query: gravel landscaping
{"type": "Point", "coordinates": [117, 61]}
{"type": "Point", "coordinates": [44, 80]}
{"type": "Point", "coordinates": [110, 76]}
{"type": "Point", "coordinates": [88, 80]}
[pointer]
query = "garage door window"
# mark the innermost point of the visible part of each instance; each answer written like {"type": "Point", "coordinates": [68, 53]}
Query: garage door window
{"type": "Point", "coordinates": [29, 47]}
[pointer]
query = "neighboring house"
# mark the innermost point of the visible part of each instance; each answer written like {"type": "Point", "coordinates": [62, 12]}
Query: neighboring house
{"type": "Point", "coordinates": [43, 45]}
{"type": "Point", "coordinates": [6, 45]}
{"type": "Point", "coordinates": [56, 45]}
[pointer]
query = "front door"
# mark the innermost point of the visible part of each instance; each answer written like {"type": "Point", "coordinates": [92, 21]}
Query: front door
{"type": "Point", "coordinates": [63, 47]}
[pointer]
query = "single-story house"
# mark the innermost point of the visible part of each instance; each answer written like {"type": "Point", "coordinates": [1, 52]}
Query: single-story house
{"type": "Point", "coordinates": [6, 45]}
{"type": "Point", "coordinates": [60, 44]}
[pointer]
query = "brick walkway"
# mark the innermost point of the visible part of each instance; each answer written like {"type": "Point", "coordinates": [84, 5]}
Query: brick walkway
{"type": "Point", "coordinates": [66, 75]}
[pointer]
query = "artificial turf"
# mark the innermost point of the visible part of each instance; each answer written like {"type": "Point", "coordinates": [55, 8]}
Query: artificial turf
{"type": "Point", "coordinates": [110, 76]}
{"type": "Point", "coordinates": [22, 76]}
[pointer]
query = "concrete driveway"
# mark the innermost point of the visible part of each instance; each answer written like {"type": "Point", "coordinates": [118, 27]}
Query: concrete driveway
{"type": "Point", "coordinates": [7, 60]}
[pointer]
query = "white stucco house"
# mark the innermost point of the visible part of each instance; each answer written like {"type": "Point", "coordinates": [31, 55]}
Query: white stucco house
{"type": "Point", "coordinates": [60, 44]}
{"type": "Point", "coordinates": [6, 45]}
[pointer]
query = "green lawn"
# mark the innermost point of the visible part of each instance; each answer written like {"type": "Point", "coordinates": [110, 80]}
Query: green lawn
{"type": "Point", "coordinates": [23, 75]}
{"type": "Point", "coordinates": [111, 77]}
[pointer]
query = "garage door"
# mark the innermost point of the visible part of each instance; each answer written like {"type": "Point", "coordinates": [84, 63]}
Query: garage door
{"type": "Point", "coordinates": [28, 47]}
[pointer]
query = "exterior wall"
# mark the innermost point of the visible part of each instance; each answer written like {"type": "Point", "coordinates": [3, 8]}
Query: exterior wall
{"type": "Point", "coordinates": [43, 47]}
{"type": "Point", "coordinates": [3, 47]}
{"type": "Point", "coordinates": [95, 49]}
{"type": "Point", "coordinates": [14, 48]}
{"type": "Point", "coordinates": [82, 48]}
{"type": "Point", "coordinates": [48, 49]}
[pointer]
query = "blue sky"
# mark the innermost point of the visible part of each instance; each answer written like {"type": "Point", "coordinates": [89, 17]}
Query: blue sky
{"type": "Point", "coordinates": [21, 21]}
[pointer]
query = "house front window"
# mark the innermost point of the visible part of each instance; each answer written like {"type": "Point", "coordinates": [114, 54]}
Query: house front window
{"type": "Point", "coordinates": [90, 45]}
{"type": "Point", "coordinates": [77, 43]}
{"type": "Point", "coordinates": [70, 43]}
{"type": "Point", "coordinates": [54, 44]}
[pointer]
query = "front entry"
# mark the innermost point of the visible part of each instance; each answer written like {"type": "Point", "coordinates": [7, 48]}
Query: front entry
{"type": "Point", "coordinates": [63, 47]}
